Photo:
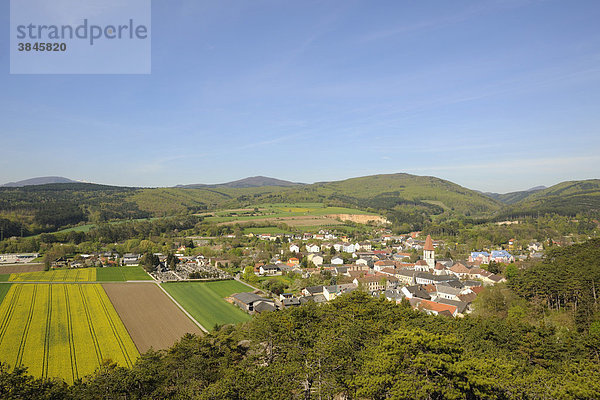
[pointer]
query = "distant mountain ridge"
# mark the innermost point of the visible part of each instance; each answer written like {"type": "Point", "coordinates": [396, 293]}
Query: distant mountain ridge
{"type": "Point", "coordinates": [43, 180]}
{"type": "Point", "coordinates": [514, 197]}
{"type": "Point", "coordinates": [46, 204]}
{"type": "Point", "coordinates": [250, 182]}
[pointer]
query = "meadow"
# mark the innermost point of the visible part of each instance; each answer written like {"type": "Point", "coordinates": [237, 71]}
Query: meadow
{"type": "Point", "coordinates": [62, 330]}
{"type": "Point", "coordinates": [121, 274]}
{"type": "Point", "coordinates": [283, 210]}
{"type": "Point", "coordinates": [205, 301]}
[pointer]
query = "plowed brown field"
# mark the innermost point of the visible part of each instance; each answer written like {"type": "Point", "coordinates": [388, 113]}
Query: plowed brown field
{"type": "Point", "coordinates": [17, 268]}
{"type": "Point", "coordinates": [151, 318]}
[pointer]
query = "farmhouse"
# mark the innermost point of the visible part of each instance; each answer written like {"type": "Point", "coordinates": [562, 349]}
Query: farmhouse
{"type": "Point", "coordinates": [251, 302]}
{"type": "Point", "coordinates": [130, 259]}
{"type": "Point", "coordinates": [269, 270]}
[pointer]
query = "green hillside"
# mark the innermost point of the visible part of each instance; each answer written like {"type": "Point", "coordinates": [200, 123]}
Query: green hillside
{"type": "Point", "coordinates": [566, 198]}
{"type": "Point", "coordinates": [402, 198]}
{"type": "Point", "coordinates": [421, 189]}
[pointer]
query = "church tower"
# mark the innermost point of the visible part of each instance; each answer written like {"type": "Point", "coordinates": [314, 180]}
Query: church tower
{"type": "Point", "coordinates": [429, 252]}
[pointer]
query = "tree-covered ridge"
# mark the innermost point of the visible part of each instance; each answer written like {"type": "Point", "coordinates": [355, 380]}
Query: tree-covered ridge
{"type": "Point", "coordinates": [568, 279]}
{"type": "Point", "coordinates": [566, 198]}
{"type": "Point", "coordinates": [46, 208]}
{"type": "Point", "coordinates": [410, 202]}
{"type": "Point", "coordinates": [355, 346]}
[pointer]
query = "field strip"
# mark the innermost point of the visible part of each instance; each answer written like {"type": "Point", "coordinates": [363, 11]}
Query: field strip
{"type": "Point", "coordinates": [70, 335]}
{"type": "Point", "coordinates": [26, 329]}
{"type": "Point", "coordinates": [90, 325]}
{"type": "Point", "coordinates": [16, 293]}
{"type": "Point", "coordinates": [181, 308]}
{"type": "Point", "coordinates": [113, 327]}
{"type": "Point", "coordinates": [47, 334]}
{"type": "Point", "coordinates": [148, 316]}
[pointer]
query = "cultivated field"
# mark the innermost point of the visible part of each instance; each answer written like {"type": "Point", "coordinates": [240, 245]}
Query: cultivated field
{"type": "Point", "coordinates": [301, 214]}
{"type": "Point", "coordinates": [205, 301]}
{"type": "Point", "coordinates": [19, 268]}
{"type": "Point", "coordinates": [59, 275]}
{"type": "Point", "coordinates": [151, 318]}
{"type": "Point", "coordinates": [107, 274]}
{"type": "Point", "coordinates": [62, 330]}
{"type": "Point", "coordinates": [3, 290]}
{"type": "Point", "coordinates": [121, 274]}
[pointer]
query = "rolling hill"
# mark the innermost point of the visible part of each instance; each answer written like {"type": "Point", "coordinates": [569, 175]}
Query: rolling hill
{"type": "Point", "coordinates": [566, 198]}
{"type": "Point", "coordinates": [402, 198]}
{"type": "Point", "coordinates": [514, 197]}
{"type": "Point", "coordinates": [44, 180]}
{"type": "Point", "coordinates": [250, 182]}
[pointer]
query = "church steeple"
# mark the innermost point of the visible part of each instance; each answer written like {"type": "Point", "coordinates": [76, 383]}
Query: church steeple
{"type": "Point", "coordinates": [429, 252]}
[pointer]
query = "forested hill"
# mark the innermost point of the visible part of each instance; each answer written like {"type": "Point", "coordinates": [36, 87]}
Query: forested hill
{"type": "Point", "coordinates": [355, 347]}
{"type": "Point", "coordinates": [408, 201]}
{"type": "Point", "coordinates": [253, 181]}
{"type": "Point", "coordinates": [514, 197]}
{"type": "Point", "coordinates": [566, 198]}
{"type": "Point", "coordinates": [45, 208]}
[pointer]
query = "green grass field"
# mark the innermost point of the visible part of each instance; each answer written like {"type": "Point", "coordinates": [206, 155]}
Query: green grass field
{"type": "Point", "coordinates": [87, 227]}
{"type": "Point", "coordinates": [265, 229]}
{"type": "Point", "coordinates": [62, 330]}
{"type": "Point", "coordinates": [3, 290]}
{"type": "Point", "coordinates": [205, 301]}
{"type": "Point", "coordinates": [283, 210]}
{"type": "Point", "coordinates": [121, 274]}
{"type": "Point", "coordinates": [4, 277]}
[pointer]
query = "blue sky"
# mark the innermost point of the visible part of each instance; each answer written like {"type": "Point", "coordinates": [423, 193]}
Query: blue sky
{"type": "Point", "coordinates": [493, 95]}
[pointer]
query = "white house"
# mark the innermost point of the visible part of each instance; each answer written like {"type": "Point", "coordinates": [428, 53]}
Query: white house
{"type": "Point", "coordinates": [337, 260]}
{"type": "Point", "coordinates": [313, 248]}
{"type": "Point", "coordinates": [316, 259]}
{"type": "Point", "coordinates": [294, 248]}
{"type": "Point", "coordinates": [348, 248]}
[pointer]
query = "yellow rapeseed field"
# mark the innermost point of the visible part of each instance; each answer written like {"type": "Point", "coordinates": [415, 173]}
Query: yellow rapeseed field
{"type": "Point", "coordinates": [62, 330]}
{"type": "Point", "coordinates": [59, 275]}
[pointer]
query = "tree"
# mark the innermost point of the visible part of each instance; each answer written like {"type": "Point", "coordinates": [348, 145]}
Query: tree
{"type": "Point", "coordinates": [149, 262]}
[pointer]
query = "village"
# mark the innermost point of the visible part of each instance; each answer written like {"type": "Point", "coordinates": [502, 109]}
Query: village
{"type": "Point", "coordinates": [397, 267]}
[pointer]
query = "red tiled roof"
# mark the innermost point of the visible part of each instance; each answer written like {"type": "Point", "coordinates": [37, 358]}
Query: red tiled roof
{"type": "Point", "coordinates": [437, 307]}
{"type": "Point", "coordinates": [428, 244]}
{"type": "Point", "coordinates": [459, 269]}
{"type": "Point", "coordinates": [477, 289]}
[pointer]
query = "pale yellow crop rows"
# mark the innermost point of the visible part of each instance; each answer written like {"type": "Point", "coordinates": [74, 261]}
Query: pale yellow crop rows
{"type": "Point", "coordinates": [62, 330]}
{"type": "Point", "coordinates": [59, 275]}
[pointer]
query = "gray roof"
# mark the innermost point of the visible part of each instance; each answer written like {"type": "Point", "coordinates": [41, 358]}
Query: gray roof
{"type": "Point", "coordinates": [317, 298]}
{"type": "Point", "coordinates": [270, 266]}
{"type": "Point", "coordinates": [461, 306]}
{"type": "Point", "coordinates": [448, 290]}
{"type": "Point", "coordinates": [293, 301]}
{"type": "Point", "coordinates": [247, 298]}
{"type": "Point", "coordinates": [453, 283]}
{"type": "Point", "coordinates": [436, 278]}
{"type": "Point", "coordinates": [314, 289]}
{"type": "Point", "coordinates": [394, 294]}
{"type": "Point", "coordinates": [264, 305]}
{"type": "Point", "coordinates": [418, 291]}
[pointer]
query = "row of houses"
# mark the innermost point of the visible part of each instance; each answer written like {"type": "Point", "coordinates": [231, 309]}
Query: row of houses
{"type": "Point", "coordinates": [499, 256]}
